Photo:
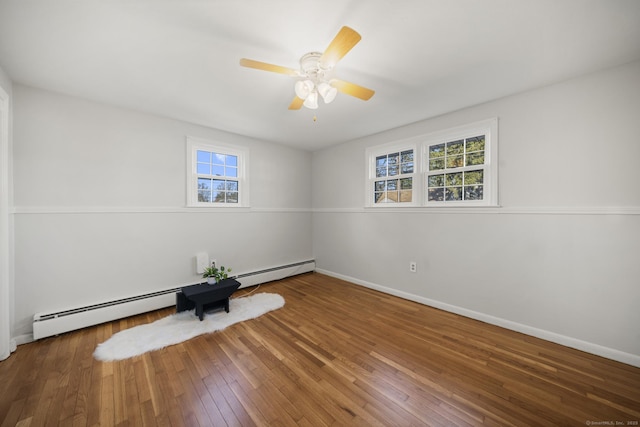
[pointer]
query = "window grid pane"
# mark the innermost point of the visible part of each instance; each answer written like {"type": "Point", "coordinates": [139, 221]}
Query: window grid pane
{"type": "Point", "coordinates": [216, 164]}
{"type": "Point", "coordinates": [217, 191]}
{"type": "Point", "coordinates": [393, 190]}
{"type": "Point", "coordinates": [392, 164]}
{"type": "Point", "coordinates": [203, 156]}
{"type": "Point", "coordinates": [458, 153]}
{"type": "Point", "coordinates": [466, 185]}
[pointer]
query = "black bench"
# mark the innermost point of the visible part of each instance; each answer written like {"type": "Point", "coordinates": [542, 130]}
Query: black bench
{"type": "Point", "coordinates": [207, 296]}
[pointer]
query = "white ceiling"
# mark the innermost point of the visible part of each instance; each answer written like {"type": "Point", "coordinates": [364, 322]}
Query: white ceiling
{"type": "Point", "coordinates": [423, 58]}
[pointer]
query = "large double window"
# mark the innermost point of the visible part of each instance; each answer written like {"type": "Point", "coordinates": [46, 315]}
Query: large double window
{"type": "Point", "coordinates": [217, 175]}
{"type": "Point", "coordinates": [457, 167]}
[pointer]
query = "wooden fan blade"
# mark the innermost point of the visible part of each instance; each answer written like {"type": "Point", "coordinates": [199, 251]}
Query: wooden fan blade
{"type": "Point", "coordinates": [296, 104]}
{"type": "Point", "coordinates": [339, 46]}
{"type": "Point", "coordinates": [250, 63]}
{"type": "Point", "coordinates": [352, 89]}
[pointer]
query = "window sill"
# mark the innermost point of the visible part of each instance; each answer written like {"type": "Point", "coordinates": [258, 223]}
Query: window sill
{"type": "Point", "coordinates": [218, 207]}
{"type": "Point", "coordinates": [431, 207]}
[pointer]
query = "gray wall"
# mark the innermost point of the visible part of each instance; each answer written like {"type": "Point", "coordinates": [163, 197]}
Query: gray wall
{"type": "Point", "coordinates": [559, 259]}
{"type": "Point", "coordinates": [100, 195]}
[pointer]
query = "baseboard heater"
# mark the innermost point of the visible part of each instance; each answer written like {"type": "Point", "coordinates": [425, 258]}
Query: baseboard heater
{"type": "Point", "coordinates": [54, 323]}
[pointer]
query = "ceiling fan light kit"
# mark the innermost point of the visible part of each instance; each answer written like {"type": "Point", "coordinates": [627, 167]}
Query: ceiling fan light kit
{"type": "Point", "coordinates": [303, 88]}
{"type": "Point", "coordinates": [313, 76]}
{"type": "Point", "coordinates": [311, 101]}
{"type": "Point", "coordinates": [327, 92]}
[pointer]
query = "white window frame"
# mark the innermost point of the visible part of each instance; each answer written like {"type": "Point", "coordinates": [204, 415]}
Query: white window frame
{"type": "Point", "coordinates": [420, 145]}
{"type": "Point", "coordinates": [195, 144]}
{"type": "Point", "coordinates": [395, 147]}
{"type": "Point", "coordinates": [488, 128]}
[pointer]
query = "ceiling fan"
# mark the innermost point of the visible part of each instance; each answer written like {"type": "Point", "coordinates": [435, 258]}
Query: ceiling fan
{"type": "Point", "coordinates": [314, 76]}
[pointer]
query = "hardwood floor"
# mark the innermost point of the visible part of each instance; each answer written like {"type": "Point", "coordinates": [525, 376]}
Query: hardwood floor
{"type": "Point", "coordinates": [335, 354]}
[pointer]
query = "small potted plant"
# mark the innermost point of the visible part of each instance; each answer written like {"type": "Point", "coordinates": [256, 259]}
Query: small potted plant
{"type": "Point", "coordinates": [215, 275]}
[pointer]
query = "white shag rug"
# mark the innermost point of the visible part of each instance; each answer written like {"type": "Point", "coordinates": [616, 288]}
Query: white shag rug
{"type": "Point", "coordinates": [183, 326]}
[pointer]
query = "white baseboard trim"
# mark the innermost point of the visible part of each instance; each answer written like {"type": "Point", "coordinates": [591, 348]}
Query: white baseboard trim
{"type": "Point", "coordinates": [23, 339]}
{"type": "Point", "coordinates": [596, 349]}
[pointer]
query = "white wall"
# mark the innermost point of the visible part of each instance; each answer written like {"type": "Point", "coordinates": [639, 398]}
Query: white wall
{"type": "Point", "coordinates": [559, 259]}
{"type": "Point", "coordinates": [7, 345]}
{"type": "Point", "coordinates": [100, 195]}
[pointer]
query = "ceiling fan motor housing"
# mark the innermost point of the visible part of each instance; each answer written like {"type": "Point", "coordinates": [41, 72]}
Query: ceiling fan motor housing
{"type": "Point", "coordinates": [310, 65]}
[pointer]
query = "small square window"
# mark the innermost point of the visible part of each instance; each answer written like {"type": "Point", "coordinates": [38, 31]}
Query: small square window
{"type": "Point", "coordinates": [216, 175]}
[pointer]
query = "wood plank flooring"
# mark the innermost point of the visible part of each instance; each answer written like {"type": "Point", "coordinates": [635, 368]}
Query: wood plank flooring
{"type": "Point", "coordinates": [336, 354]}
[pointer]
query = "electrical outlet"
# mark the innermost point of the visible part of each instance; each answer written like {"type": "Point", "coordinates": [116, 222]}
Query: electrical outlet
{"type": "Point", "coordinates": [413, 267]}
